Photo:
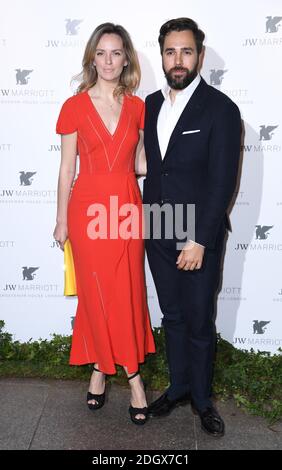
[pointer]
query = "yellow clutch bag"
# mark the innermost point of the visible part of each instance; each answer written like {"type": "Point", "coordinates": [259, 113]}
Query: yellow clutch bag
{"type": "Point", "coordinates": [70, 282]}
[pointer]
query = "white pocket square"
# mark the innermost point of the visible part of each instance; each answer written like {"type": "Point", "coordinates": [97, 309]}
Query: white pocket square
{"type": "Point", "coordinates": [191, 132]}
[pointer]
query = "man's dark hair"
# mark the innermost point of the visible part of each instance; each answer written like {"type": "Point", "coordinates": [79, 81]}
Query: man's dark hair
{"type": "Point", "coordinates": [182, 24]}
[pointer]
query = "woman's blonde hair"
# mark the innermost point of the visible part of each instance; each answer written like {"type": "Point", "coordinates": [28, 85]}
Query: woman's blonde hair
{"type": "Point", "coordinates": [131, 74]}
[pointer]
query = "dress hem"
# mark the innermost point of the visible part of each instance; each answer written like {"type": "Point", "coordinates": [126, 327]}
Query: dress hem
{"type": "Point", "coordinates": [113, 371]}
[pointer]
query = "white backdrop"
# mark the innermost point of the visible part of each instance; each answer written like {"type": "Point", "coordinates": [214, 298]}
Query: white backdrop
{"type": "Point", "coordinates": [41, 47]}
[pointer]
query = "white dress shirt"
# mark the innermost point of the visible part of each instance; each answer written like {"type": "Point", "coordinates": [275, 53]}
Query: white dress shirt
{"type": "Point", "coordinates": [171, 112]}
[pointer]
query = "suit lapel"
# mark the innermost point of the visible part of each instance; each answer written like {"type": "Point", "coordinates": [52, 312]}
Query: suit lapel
{"type": "Point", "coordinates": [154, 114]}
{"type": "Point", "coordinates": [192, 108]}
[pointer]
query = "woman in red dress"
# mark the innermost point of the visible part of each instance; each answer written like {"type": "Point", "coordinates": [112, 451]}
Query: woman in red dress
{"type": "Point", "coordinates": [102, 215]}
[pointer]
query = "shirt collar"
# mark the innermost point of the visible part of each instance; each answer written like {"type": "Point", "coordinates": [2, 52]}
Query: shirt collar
{"type": "Point", "coordinates": [186, 93]}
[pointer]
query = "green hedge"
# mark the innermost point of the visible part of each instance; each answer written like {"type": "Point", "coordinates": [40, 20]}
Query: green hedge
{"type": "Point", "coordinates": [254, 380]}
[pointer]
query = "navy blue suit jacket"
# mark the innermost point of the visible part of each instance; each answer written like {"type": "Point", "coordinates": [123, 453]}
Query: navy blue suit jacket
{"type": "Point", "coordinates": [200, 167]}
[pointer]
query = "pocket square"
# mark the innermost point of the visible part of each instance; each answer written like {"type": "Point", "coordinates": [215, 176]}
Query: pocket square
{"type": "Point", "coordinates": [191, 132]}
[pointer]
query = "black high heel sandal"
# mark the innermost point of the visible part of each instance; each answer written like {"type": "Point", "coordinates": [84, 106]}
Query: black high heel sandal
{"type": "Point", "coordinates": [133, 412]}
{"type": "Point", "coordinates": [100, 399]}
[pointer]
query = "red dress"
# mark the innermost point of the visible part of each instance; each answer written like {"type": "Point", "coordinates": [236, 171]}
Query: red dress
{"type": "Point", "coordinates": [112, 324]}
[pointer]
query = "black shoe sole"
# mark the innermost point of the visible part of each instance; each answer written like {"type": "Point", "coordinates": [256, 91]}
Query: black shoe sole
{"type": "Point", "coordinates": [139, 422]}
{"type": "Point", "coordinates": [220, 434]}
{"type": "Point", "coordinates": [217, 435]}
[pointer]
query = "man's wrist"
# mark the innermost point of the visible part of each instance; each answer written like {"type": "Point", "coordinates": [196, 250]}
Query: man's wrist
{"type": "Point", "coordinates": [199, 244]}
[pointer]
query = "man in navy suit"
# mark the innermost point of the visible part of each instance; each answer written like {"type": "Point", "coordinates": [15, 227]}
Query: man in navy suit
{"type": "Point", "coordinates": [192, 143]}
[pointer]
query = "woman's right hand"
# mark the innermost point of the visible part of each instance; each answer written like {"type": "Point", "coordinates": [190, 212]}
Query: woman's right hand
{"type": "Point", "coordinates": [61, 234]}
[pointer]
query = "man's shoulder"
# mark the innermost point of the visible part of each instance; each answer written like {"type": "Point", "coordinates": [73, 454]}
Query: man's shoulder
{"type": "Point", "coordinates": [219, 98]}
{"type": "Point", "coordinates": [152, 97]}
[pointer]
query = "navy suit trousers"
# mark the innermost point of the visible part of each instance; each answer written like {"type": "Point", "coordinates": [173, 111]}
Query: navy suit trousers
{"type": "Point", "coordinates": [187, 300]}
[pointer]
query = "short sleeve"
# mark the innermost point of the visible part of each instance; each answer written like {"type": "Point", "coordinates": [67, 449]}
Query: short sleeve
{"type": "Point", "coordinates": [67, 121]}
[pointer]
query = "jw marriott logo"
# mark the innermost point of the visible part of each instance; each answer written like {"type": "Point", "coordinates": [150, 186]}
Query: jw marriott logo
{"type": "Point", "coordinates": [259, 327]}
{"type": "Point", "coordinates": [262, 233]}
{"type": "Point", "coordinates": [271, 28]}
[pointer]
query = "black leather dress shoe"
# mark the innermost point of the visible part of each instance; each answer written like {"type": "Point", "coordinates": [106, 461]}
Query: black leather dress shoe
{"type": "Point", "coordinates": [211, 422]}
{"type": "Point", "coordinates": [163, 405]}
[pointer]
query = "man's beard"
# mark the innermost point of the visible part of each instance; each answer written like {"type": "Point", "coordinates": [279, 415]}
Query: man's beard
{"type": "Point", "coordinates": [180, 82]}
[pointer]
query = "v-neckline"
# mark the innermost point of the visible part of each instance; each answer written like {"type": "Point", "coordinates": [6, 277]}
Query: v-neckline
{"type": "Point", "coordinates": [100, 118]}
